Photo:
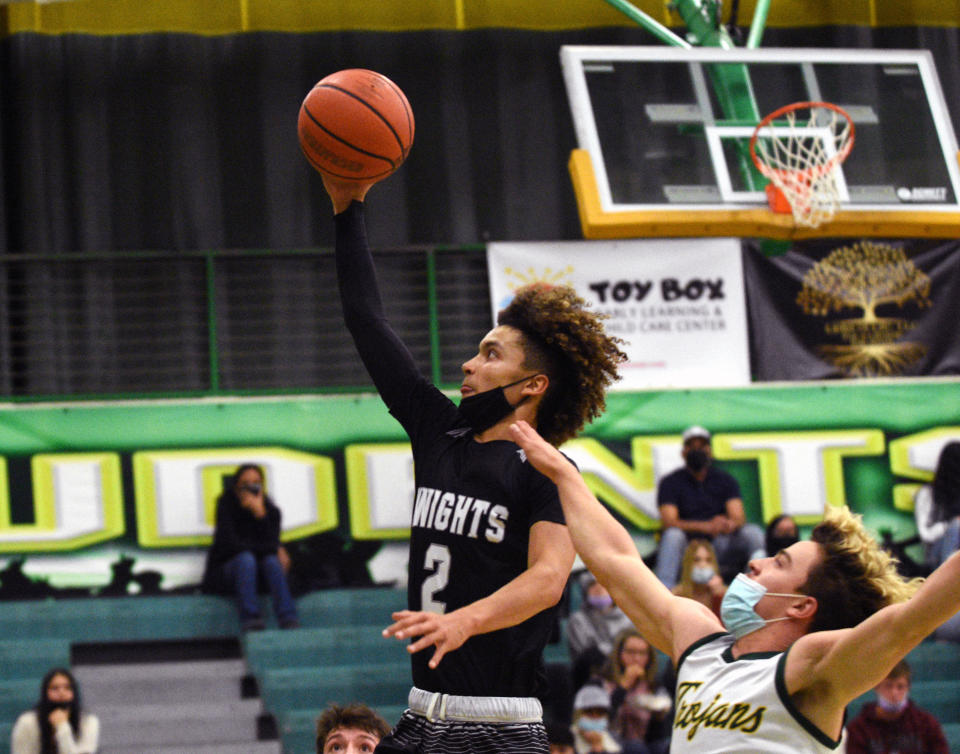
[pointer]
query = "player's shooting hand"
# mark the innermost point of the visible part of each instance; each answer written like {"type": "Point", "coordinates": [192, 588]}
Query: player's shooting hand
{"type": "Point", "coordinates": [545, 458]}
{"type": "Point", "coordinates": [447, 632]}
{"type": "Point", "coordinates": [342, 193]}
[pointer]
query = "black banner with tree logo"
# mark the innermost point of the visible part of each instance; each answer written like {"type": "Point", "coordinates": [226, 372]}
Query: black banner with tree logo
{"type": "Point", "coordinates": [844, 308]}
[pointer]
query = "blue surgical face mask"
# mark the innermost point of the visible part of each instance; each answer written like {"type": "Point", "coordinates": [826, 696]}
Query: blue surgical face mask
{"type": "Point", "coordinates": [600, 601]}
{"type": "Point", "coordinates": [737, 609]}
{"type": "Point", "coordinates": [701, 574]}
{"type": "Point", "coordinates": [891, 706]}
{"type": "Point", "coordinates": [592, 723]}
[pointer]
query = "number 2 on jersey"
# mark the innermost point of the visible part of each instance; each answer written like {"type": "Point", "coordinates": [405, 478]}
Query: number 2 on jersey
{"type": "Point", "coordinates": [437, 560]}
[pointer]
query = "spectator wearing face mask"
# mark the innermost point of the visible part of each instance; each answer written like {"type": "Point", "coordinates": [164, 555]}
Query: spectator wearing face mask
{"type": "Point", "coordinates": [893, 723]}
{"type": "Point", "coordinates": [699, 500]}
{"type": "Point", "coordinates": [58, 724]}
{"type": "Point", "coordinates": [592, 628]}
{"type": "Point", "coordinates": [246, 551]}
{"type": "Point", "coordinates": [700, 576]}
{"type": "Point", "coordinates": [591, 712]}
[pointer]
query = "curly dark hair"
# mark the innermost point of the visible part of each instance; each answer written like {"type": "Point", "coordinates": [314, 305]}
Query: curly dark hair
{"type": "Point", "coordinates": [562, 339]}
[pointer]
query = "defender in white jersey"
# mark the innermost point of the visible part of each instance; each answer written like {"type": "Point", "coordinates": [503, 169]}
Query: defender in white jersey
{"type": "Point", "coordinates": [804, 632]}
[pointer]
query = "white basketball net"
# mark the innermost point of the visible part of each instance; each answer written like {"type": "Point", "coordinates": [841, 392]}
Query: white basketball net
{"type": "Point", "coordinates": [799, 153]}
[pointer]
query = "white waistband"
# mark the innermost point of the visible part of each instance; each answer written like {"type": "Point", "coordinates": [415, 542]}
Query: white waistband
{"type": "Point", "coordinates": [492, 709]}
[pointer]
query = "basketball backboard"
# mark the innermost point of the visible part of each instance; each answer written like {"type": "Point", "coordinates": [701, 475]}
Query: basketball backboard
{"type": "Point", "coordinates": [663, 134]}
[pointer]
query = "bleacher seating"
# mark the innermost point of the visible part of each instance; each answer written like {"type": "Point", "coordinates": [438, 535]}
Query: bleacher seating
{"type": "Point", "coordinates": [38, 635]}
{"type": "Point", "coordinates": [952, 733]}
{"type": "Point", "coordinates": [935, 686]}
{"type": "Point", "coordinates": [120, 618]}
{"type": "Point", "coordinates": [339, 655]}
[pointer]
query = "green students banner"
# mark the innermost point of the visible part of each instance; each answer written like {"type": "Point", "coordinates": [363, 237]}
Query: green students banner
{"type": "Point", "coordinates": [117, 498]}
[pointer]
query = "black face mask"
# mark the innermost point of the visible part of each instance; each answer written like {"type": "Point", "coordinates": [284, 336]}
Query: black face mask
{"type": "Point", "coordinates": [697, 460]}
{"type": "Point", "coordinates": [482, 410]}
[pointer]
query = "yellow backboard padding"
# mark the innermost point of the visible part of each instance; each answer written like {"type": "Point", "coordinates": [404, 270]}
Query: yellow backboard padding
{"type": "Point", "coordinates": [741, 223]}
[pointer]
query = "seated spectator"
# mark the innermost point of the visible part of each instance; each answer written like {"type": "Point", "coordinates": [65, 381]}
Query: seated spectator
{"type": "Point", "coordinates": [700, 500]}
{"type": "Point", "coordinates": [560, 739]}
{"type": "Point", "coordinates": [591, 710]}
{"type": "Point", "coordinates": [597, 622]}
{"type": "Point", "coordinates": [353, 729]}
{"type": "Point", "coordinates": [639, 704]}
{"type": "Point", "coordinates": [782, 531]}
{"type": "Point", "coordinates": [937, 508]}
{"type": "Point", "coordinates": [246, 548]}
{"type": "Point", "coordinates": [700, 578]}
{"type": "Point", "coordinates": [57, 724]}
{"type": "Point", "coordinates": [591, 630]}
{"type": "Point", "coordinates": [893, 723]}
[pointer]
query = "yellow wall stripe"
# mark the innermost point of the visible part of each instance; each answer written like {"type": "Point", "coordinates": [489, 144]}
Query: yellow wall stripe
{"type": "Point", "coordinates": [213, 17]}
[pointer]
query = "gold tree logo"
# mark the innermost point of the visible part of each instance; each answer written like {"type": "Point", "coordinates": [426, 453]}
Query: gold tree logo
{"type": "Point", "coordinates": [866, 276]}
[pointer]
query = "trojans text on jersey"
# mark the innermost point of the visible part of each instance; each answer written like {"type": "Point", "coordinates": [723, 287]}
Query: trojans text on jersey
{"type": "Point", "coordinates": [717, 714]}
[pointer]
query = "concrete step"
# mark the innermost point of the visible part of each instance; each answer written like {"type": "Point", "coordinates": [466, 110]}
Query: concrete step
{"type": "Point", "coordinates": [161, 683]}
{"type": "Point", "coordinates": [184, 710]}
{"type": "Point", "coordinates": [179, 724]}
{"type": "Point", "coordinates": [250, 747]}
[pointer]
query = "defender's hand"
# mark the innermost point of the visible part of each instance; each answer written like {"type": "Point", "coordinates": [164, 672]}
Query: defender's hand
{"type": "Point", "coordinates": [545, 458]}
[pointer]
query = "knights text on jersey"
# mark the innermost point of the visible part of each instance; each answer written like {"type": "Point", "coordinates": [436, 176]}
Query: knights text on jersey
{"type": "Point", "coordinates": [738, 705]}
{"type": "Point", "coordinates": [473, 509]}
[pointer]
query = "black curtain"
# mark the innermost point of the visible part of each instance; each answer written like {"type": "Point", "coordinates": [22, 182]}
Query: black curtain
{"type": "Point", "coordinates": [173, 141]}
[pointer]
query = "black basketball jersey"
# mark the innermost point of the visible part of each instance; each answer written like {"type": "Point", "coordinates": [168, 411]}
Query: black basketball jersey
{"type": "Point", "coordinates": [474, 502]}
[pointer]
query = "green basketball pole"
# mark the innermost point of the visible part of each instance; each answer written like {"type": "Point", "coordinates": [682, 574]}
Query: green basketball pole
{"type": "Point", "coordinates": [730, 81]}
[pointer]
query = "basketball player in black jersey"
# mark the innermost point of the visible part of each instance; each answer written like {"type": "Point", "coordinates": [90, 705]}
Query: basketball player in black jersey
{"type": "Point", "coordinates": [489, 550]}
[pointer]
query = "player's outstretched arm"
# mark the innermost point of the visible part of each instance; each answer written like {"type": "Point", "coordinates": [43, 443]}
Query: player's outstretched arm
{"type": "Point", "coordinates": [386, 358]}
{"type": "Point", "coordinates": [670, 623]}
{"type": "Point", "coordinates": [550, 557]}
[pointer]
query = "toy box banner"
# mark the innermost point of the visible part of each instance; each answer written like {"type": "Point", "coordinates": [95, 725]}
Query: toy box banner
{"type": "Point", "coordinates": [839, 308]}
{"type": "Point", "coordinates": [678, 304]}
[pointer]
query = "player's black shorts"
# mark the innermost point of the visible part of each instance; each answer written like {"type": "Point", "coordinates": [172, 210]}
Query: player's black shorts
{"type": "Point", "coordinates": [444, 724]}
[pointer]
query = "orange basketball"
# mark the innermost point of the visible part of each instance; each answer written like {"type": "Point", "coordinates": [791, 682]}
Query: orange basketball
{"type": "Point", "coordinates": [356, 124]}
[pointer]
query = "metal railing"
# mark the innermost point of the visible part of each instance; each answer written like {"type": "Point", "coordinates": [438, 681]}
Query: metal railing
{"type": "Point", "coordinates": [222, 322]}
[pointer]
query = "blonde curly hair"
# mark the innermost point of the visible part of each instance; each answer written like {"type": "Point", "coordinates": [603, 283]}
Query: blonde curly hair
{"type": "Point", "coordinates": [566, 341]}
{"type": "Point", "coordinates": [856, 577]}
